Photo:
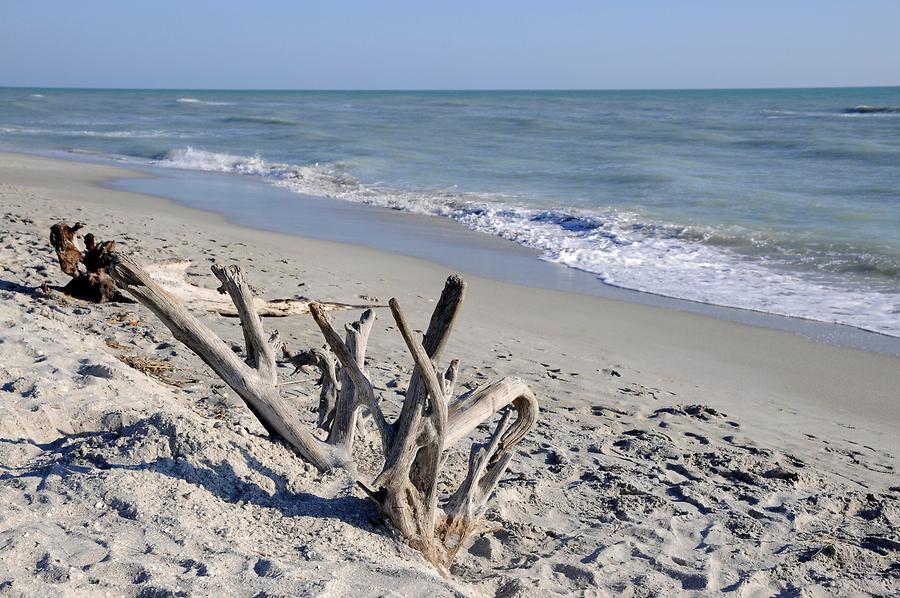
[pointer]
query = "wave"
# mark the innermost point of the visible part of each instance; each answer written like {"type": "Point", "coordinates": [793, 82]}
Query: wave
{"type": "Point", "coordinates": [128, 134]}
{"type": "Point", "coordinates": [622, 248]}
{"type": "Point", "coordinates": [202, 102]}
{"type": "Point", "coordinates": [37, 96]}
{"type": "Point", "coordinates": [853, 111]}
{"type": "Point", "coordinates": [258, 120]}
{"type": "Point", "coordinates": [873, 110]}
{"type": "Point", "coordinates": [153, 134]}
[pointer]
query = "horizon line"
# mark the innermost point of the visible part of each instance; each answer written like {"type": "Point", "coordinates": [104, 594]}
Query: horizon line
{"type": "Point", "coordinates": [447, 89]}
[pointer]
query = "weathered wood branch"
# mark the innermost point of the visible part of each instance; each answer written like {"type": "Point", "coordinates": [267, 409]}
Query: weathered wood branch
{"type": "Point", "coordinates": [409, 492]}
{"type": "Point", "coordinates": [256, 388]}
{"type": "Point", "coordinates": [433, 386]}
{"type": "Point", "coordinates": [465, 508]}
{"type": "Point", "coordinates": [356, 389]}
{"type": "Point", "coordinates": [468, 410]}
{"type": "Point", "coordinates": [172, 276]}
{"type": "Point", "coordinates": [260, 353]}
{"type": "Point", "coordinates": [325, 362]}
{"type": "Point", "coordinates": [406, 489]}
{"type": "Point", "coordinates": [406, 428]}
{"type": "Point", "coordinates": [407, 485]}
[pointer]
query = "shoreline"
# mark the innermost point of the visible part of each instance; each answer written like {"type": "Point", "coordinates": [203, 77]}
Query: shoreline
{"type": "Point", "coordinates": [444, 239]}
{"type": "Point", "coordinates": [673, 451]}
{"type": "Point", "coordinates": [437, 240]}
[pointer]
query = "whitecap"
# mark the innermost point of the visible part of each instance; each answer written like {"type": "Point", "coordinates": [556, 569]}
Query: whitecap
{"type": "Point", "coordinates": [202, 102]}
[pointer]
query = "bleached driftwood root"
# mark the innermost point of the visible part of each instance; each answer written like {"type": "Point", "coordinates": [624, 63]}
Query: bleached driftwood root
{"type": "Point", "coordinates": [430, 422]}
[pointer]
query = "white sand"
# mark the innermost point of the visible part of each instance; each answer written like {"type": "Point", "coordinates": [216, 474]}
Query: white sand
{"type": "Point", "coordinates": [113, 482]}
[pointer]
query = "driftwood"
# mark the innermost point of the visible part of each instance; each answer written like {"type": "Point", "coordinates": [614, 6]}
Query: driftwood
{"type": "Point", "coordinates": [172, 276]}
{"type": "Point", "coordinates": [91, 282]}
{"type": "Point", "coordinates": [89, 278]}
{"type": "Point", "coordinates": [414, 445]}
{"type": "Point", "coordinates": [327, 380]}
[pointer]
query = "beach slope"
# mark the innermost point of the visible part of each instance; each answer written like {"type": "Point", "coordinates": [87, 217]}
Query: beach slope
{"type": "Point", "coordinates": [674, 453]}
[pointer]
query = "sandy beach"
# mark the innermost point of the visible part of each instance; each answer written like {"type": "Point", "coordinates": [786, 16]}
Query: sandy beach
{"type": "Point", "coordinates": [674, 454]}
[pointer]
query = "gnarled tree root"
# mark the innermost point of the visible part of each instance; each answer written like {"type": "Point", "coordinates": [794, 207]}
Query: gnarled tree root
{"type": "Point", "coordinates": [89, 278]}
{"type": "Point", "coordinates": [431, 419]}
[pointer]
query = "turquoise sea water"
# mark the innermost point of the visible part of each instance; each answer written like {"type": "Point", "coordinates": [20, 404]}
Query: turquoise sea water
{"type": "Point", "coordinates": [785, 201]}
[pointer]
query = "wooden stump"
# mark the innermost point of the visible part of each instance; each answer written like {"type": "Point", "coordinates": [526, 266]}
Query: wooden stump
{"type": "Point", "coordinates": [87, 269]}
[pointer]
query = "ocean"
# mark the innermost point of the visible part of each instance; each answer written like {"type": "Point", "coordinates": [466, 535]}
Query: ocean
{"type": "Point", "coordinates": [779, 201]}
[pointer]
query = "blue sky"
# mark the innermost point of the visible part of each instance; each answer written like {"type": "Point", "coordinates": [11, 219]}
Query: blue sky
{"type": "Point", "coordinates": [335, 44]}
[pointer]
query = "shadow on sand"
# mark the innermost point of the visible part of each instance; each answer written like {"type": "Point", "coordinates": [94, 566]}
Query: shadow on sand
{"type": "Point", "coordinates": [88, 452]}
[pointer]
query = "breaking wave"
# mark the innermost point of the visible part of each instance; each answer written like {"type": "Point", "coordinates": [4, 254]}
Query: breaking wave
{"type": "Point", "coordinates": [873, 110]}
{"type": "Point", "coordinates": [202, 102]}
{"type": "Point", "coordinates": [127, 134]}
{"type": "Point", "coordinates": [258, 120]}
{"type": "Point", "coordinates": [622, 248]}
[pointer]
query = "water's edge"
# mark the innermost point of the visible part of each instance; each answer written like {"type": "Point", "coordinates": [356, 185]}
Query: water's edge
{"type": "Point", "coordinates": [436, 240]}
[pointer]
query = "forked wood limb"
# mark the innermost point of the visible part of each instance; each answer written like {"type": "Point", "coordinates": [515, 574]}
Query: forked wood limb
{"type": "Point", "coordinates": [255, 385]}
{"type": "Point", "coordinates": [327, 366]}
{"type": "Point", "coordinates": [260, 352]}
{"type": "Point", "coordinates": [406, 484]}
{"type": "Point", "coordinates": [406, 489]}
{"type": "Point", "coordinates": [356, 390]}
{"type": "Point", "coordinates": [464, 510]}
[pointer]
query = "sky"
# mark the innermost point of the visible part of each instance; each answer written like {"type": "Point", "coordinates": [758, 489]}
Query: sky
{"type": "Point", "coordinates": [459, 44]}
